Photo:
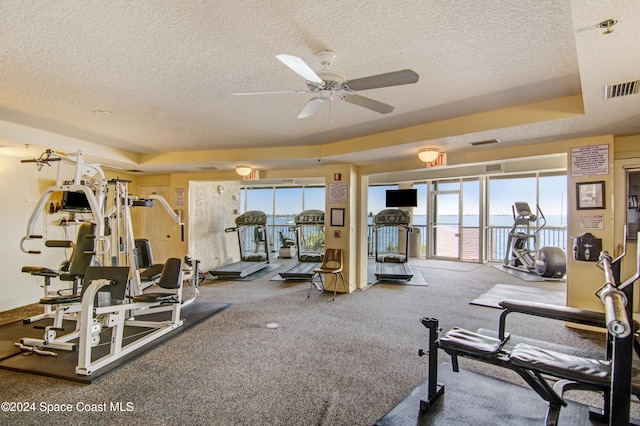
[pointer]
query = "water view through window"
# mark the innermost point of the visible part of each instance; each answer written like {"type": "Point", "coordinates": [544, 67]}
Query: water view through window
{"type": "Point", "coordinates": [455, 231]}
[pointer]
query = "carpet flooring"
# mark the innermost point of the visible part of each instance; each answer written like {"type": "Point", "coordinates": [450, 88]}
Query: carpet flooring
{"type": "Point", "coordinates": [63, 366]}
{"type": "Point", "coordinates": [342, 362]}
{"type": "Point", "coordinates": [498, 292]}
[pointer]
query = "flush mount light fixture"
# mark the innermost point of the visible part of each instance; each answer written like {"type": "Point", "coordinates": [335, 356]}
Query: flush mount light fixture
{"type": "Point", "coordinates": [243, 170]}
{"type": "Point", "coordinates": [428, 155]}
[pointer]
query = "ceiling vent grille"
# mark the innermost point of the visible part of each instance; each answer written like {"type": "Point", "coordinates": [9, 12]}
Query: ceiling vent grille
{"type": "Point", "coordinates": [487, 142]}
{"type": "Point", "coordinates": [493, 168]}
{"type": "Point", "coordinates": [622, 89]}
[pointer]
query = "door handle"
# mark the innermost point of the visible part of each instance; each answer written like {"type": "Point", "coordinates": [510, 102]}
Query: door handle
{"type": "Point", "coordinates": [168, 236]}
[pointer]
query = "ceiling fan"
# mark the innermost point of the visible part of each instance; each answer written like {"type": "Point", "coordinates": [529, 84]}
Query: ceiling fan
{"type": "Point", "coordinates": [328, 85]}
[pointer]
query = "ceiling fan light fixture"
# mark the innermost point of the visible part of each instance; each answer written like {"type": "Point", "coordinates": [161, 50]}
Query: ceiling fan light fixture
{"type": "Point", "coordinates": [428, 155]}
{"type": "Point", "coordinates": [243, 170]}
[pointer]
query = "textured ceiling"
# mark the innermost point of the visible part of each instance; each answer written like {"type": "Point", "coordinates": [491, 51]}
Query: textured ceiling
{"type": "Point", "coordinates": [166, 71]}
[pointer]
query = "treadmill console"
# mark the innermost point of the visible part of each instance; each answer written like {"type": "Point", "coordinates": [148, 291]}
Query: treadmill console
{"type": "Point", "coordinates": [391, 217]}
{"type": "Point", "coordinates": [253, 217]}
{"type": "Point", "coordinates": [310, 217]}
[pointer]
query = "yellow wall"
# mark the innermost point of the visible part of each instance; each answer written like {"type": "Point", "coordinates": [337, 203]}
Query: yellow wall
{"type": "Point", "coordinates": [584, 278]}
{"type": "Point", "coordinates": [19, 289]}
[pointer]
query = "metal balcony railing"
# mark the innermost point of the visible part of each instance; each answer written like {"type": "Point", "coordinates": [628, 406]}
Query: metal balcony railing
{"type": "Point", "coordinates": [313, 239]}
{"type": "Point", "coordinates": [497, 237]}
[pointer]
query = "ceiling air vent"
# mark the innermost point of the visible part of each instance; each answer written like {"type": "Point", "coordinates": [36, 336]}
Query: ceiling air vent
{"type": "Point", "coordinates": [622, 89]}
{"type": "Point", "coordinates": [493, 168]}
{"type": "Point", "coordinates": [487, 142]}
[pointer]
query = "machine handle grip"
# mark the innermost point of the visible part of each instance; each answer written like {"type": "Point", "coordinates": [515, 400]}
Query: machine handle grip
{"type": "Point", "coordinates": [30, 237]}
{"type": "Point", "coordinates": [230, 229]}
{"type": "Point", "coordinates": [58, 243]}
{"type": "Point", "coordinates": [106, 244]}
{"type": "Point", "coordinates": [34, 160]}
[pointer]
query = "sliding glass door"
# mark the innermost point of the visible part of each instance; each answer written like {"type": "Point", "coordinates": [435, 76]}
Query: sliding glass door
{"type": "Point", "coordinates": [445, 228]}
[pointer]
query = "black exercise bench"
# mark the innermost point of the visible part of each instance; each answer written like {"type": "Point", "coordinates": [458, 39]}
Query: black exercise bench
{"type": "Point", "coordinates": [614, 376]}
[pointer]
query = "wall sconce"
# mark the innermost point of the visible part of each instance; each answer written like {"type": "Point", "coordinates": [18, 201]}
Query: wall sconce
{"type": "Point", "coordinates": [243, 170]}
{"type": "Point", "coordinates": [428, 155]}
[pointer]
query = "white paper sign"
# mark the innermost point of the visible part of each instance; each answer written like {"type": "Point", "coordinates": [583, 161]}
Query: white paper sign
{"type": "Point", "coordinates": [591, 221]}
{"type": "Point", "coordinates": [338, 192]}
{"type": "Point", "coordinates": [590, 160]}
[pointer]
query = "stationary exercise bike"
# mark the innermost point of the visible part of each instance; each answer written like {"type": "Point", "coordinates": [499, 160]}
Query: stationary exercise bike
{"type": "Point", "coordinates": [548, 262]}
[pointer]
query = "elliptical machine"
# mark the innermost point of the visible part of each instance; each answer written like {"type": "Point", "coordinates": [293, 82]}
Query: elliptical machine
{"type": "Point", "coordinates": [548, 262]}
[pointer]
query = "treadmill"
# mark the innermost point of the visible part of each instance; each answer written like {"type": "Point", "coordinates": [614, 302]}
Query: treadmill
{"type": "Point", "coordinates": [392, 265]}
{"type": "Point", "coordinates": [251, 224]}
{"type": "Point", "coordinates": [309, 231]}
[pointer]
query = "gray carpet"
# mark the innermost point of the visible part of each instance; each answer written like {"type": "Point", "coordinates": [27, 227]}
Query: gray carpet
{"type": "Point", "coordinates": [346, 362]}
{"type": "Point", "coordinates": [498, 292]}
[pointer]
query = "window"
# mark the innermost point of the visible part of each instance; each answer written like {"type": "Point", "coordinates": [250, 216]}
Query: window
{"type": "Point", "coordinates": [282, 204]}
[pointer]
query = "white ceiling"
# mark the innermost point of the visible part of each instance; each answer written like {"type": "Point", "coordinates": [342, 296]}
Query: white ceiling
{"type": "Point", "coordinates": [166, 71]}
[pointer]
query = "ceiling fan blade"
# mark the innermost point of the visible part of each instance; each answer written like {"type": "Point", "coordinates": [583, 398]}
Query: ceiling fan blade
{"type": "Point", "coordinates": [300, 67]}
{"type": "Point", "coordinates": [310, 107]}
{"type": "Point", "coordinates": [395, 78]}
{"type": "Point", "coordinates": [269, 93]}
{"type": "Point", "coordinates": [369, 103]}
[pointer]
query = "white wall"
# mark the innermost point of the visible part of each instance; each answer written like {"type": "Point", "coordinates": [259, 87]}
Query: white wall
{"type": "Point", "coordinates": [210, 212]}
{"type": "Point", "coordinates": [21, 188]}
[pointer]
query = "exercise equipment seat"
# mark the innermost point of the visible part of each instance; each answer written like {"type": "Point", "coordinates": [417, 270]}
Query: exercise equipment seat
{"type": "Point", "coordinates": [170, 279]}
{"type": "Point", "coordinates": [150, 271]}
{"type": "Point", "coordinates": [585, 370]}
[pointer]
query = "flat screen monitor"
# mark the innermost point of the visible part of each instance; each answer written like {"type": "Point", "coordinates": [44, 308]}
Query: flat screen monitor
{"type": "Point", "coordinates": [75, 202]}
{"type": "Point", "coordinates": [402, 198]}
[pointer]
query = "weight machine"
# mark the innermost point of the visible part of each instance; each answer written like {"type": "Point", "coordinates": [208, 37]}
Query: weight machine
{"type": "Point", "coordinates": [112, 243]}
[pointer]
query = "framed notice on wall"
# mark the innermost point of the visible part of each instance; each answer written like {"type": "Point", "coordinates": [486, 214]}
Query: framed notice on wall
{"type": "Point", "coordinates": [590, 195]}
{"type": "Point", "coordinates": [337, 217]}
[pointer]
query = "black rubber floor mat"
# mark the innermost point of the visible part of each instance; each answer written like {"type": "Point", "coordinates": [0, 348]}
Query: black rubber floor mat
{"type": "Point", "coordinates": [499, 292]}
{"type": "Point", "coordinates": [63, 366]}
{"type": "Point", "coordinates": [475, 399]}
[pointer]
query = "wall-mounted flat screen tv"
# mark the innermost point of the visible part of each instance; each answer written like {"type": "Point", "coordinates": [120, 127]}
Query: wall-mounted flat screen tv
{"type": "Point", "coordinates": [402, 198]}
{"type": "Point", "coordinates": [75, 202]}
